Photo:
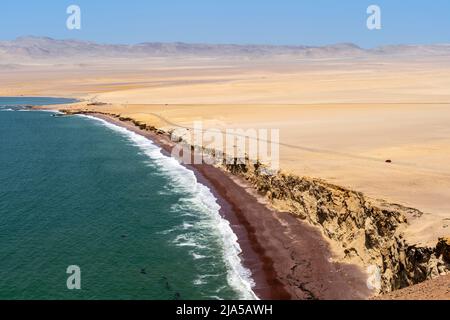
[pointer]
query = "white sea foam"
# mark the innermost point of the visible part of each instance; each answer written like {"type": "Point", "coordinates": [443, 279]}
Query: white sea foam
{"type": "Point", "coordinates": [185, 181]}
{"type": "Point", "coordinates": [199, 282]}
{"type": "Point", "coordinates": [6, 110]}
{"type": "Point", "coordinates": [187, 226]}
{"type": "Point", "coordinates": [197, 256]}
{"type": "Point", "coordinates": [188, 240]}
{"type": "Point", "coordinates": [49, 111]}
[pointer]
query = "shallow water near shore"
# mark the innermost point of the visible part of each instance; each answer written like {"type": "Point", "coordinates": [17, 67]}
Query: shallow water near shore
{"type": "Point", "coordinates": [80, 191]}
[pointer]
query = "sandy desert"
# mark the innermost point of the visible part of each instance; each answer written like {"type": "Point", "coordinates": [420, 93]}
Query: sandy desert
{"type": "Point", "coordinates": [377, 123]}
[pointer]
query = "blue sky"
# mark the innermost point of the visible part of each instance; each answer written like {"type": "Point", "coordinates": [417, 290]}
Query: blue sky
{"type": "Point", "coordinates": [295, 22]}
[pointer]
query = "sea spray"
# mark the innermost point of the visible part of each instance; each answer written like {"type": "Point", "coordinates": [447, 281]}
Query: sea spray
{"type": "Point", "coordinates": [238, 277]}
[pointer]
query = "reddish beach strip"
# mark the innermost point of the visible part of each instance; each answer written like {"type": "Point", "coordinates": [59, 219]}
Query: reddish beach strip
{"type": "Point", "coordinates": [288, 258]}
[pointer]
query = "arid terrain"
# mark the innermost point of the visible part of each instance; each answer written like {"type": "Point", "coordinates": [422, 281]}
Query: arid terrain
{"type": "Point", "coordinates": [436, 289]}
{"type": "Point", "coordinates": [373, 121]}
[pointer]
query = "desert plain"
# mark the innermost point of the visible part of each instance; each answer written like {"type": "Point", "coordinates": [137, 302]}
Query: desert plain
{"type": "Point", "coordinates": [379, 125]}
{"type": "Point", "coordinates": [373, 121]}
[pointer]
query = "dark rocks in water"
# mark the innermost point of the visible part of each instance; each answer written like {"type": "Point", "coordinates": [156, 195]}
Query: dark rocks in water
{"type": "Point", "coordinates": [167, 285]}
{"type": "Point", "coordinates": [143, 271]}
{"type": "Point", "coordinates": [123, 236]}
{"type": "Point", "coordinates": [177, 296]}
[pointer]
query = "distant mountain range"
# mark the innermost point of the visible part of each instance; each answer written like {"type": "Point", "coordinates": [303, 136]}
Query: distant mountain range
{"type": "Point", "coordinates": [30, 48]}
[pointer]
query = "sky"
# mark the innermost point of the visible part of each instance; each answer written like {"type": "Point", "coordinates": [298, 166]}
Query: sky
{"type": "Point", "coordinates": [281, 22]}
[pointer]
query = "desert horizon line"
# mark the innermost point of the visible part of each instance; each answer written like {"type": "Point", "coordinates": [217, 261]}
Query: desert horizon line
{"type": "Point", "coordinates": [237, 44]}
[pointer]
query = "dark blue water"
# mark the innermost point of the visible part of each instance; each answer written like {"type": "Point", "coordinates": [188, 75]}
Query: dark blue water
{"type": "Point", "coordinates": [78, 191]}
{"type": "Point", "coordinates": [20, 102]}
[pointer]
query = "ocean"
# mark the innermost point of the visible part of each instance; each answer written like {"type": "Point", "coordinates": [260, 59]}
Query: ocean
{"type": "Point", "coordinates": [77, 191]}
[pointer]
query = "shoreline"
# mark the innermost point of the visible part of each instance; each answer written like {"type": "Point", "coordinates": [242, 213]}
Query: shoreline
{"type": "Point", "coordinates": [288, 258]}
{"type": "Point", "coordinates": [238, 277]}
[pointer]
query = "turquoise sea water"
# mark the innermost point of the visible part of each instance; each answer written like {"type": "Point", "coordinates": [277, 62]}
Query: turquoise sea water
{"type": "Point", "coordinates": [79, 191]}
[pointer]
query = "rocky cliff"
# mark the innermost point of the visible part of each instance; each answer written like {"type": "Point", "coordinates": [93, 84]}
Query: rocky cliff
{"type": "Point", "coordinates": [363, 231]}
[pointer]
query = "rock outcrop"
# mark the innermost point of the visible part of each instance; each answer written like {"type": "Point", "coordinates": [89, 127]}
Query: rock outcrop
{"type": "Point", "coordinates": [365, 231]}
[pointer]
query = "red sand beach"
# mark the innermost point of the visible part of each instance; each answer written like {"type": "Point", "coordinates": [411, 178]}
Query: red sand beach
{"type": "Point", "coordinates": [288, 258]}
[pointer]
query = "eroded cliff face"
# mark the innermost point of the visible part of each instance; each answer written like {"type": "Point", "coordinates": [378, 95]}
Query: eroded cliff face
{"type": "Point", "coordinates": [363, 231]}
